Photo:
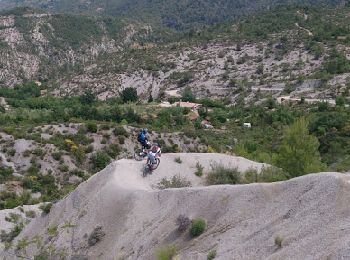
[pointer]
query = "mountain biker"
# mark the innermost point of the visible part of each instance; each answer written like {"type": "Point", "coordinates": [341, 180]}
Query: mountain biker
{"type": "Point", "coordinates": [142, 138]}
{"type": "Point", "coordinates": [153, 153]}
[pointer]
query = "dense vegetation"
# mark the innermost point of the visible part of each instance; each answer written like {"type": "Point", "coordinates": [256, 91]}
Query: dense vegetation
{"type": "Point", "coordinates": [180, 15]}
{"type": "Point", "coordinates": [263, 142]}
{"type": "Point", "coordinates": [329, 27]}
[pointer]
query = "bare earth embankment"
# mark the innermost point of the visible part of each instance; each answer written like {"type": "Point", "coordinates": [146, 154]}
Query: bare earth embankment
{"type": "Point", "coordinates": [117, 214]}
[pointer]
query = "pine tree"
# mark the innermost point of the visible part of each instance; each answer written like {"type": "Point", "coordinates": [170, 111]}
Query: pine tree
{"type": "Point", "coordinates": [298, 154]}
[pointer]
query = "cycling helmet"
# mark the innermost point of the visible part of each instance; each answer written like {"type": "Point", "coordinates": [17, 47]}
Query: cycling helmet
{"type": "Point", "coordinates": [145, 130]}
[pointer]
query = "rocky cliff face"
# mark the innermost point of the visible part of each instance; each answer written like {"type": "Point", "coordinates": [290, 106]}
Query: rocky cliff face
{"type": "Point", "coordinates": [70, 54]}
{"type": "Point", "coordinates": [39, 46]}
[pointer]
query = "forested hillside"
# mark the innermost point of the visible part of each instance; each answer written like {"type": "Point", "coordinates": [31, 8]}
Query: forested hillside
{"type": "Point", "coordinates": [69, 53]}
{"type": "Point", "coordinates": [179, 15]}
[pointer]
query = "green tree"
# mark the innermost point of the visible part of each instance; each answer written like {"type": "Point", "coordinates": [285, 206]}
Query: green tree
{"type": "Point", "coordinates": [87, 98]}
{"type": "Point", "coordinates": [340, 101]}
{"type": "Point", "coordinates": [187, 95]}
{"type": "Point", "coordinates": [129, 95]}
{"type": "Point", "coordinates": [100, 160]}
{"type": "Point", "coordinates": [337, 63]}
{"type": "Point", "coordinates": [299, 153]}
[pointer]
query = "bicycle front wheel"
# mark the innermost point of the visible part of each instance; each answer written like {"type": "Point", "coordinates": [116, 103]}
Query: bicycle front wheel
{"type": "Point", "coordinates": [138, 154]}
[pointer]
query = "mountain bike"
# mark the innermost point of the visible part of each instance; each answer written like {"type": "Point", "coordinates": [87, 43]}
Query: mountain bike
{"type": "Point", "coordinates": [150, 167]}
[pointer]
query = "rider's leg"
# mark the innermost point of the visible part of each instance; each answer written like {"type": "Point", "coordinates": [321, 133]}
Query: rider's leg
{"type": "Point", "coordinates": [152, 158]}
{"type": "Point", "coordinates": [143, 148]}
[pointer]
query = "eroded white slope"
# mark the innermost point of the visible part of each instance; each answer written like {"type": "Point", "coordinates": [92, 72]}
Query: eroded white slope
{"type": "Point", "coordinates": [310, 213]}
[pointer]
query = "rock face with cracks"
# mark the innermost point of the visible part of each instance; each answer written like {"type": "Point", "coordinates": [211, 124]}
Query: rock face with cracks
{"type": "Point", "coordinates": [308, 216]}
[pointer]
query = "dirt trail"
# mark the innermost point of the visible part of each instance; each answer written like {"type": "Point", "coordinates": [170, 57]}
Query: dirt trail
{"type": "Point", "coordinates": [306, 30]}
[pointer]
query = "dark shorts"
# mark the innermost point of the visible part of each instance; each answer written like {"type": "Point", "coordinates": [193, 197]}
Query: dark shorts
{"type": "Point", "coordinates": [145, 145]}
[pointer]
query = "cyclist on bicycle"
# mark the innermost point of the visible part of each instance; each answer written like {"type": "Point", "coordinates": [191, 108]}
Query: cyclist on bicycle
{"type": "Point", "coordinates": [142, 138]}
{"type": "Point", "coordinates": [154, 152]}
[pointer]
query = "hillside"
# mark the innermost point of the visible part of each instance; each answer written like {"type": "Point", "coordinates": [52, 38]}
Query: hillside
{"type": "Point", "coordinates": [179, 15]}
{"type": "Point", "coordinates": [273, 53]}
{"type": "Point", "coordinates": [117, 214]}
{"type": "Point", "coordinates": [245, 99]}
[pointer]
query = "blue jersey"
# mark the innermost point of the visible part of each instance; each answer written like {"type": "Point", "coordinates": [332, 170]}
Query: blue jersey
{"type": "Point", "coordinates": [141, 137]}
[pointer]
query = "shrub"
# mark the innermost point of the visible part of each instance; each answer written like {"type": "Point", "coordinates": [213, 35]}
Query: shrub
{"type": "Point", "coordinates": [63, 168]}
{"type": "Point", "coordinates": [188, 96]}
{"type": "Point", "coordinates": [120, 131]}
{"type": "Point", "coordinates": [113, 150]}
{"type": "Point", "coordinates": [52, 231]}
{"type": "Point", "coordinates": [272, 174]}
{"type": "Point", "coordinates": [198, 227]}
{"type": "Point", "coordinates": [30, 214]}
{"type": "Point", "coordinates": [167, 149]}
{"type": "Point", "coordinates": [26, 153]}
{"type": "Point", "coordinates": [337, 63]}
{"type": "Point", "coordinates": [14, 232]}
{"type": "Point", "coordinates": [6, 174]}
{"type": "Point", "coordinates": [96, 236]}
{"type": "Point", "coordinates": [178, 160]}
{"type": "Point", "coordinates": [91, 127]}
{"type": "Point", "coordinates": [172, 100]}
{"type": "Point", "coordinates": [182, 78]}
{"type": "Point", "coordinates": [38, 152]}
{"type": "Point", "coordinates": [278, 241]}
{"type": "Point", "coordinates": [121, 139]}
{"type": "Point", "coordinates": [79, 154]}
{"type": "Point", "coordinates": [183, 223]}
{"type": "Point", "coordinates": [211, 255]}
{"type": "Point", "coordinates": [46, 208]}
{"type": "Point", "coordinates": [340, 101]}
{"type": "Point", "coordinates": [221, 174]}
{"type": "Point", "coordinates": [9, 200]}
{"type": "Point", "coordinates": [13, 218]}
{"type": "Point", "coordinates": [175, 182]}
{"type": "Point", "coordinates": [11, 152]}
{"type": "Point", "coordinates": [221, 54]}
{"type": "Point", "coordinates": [100, 160]}
{"type": "Point", "coordinates": [129, 95]}
{"type": "Point", "coordinates": [105, 127]}
{"type": "Point", "coordinates": [87, 98]}
{"type": "Point", "coordinates": [199, 169]}
{"type": "Point", "coordinates": [89, 149]}
{"type": "Point", "coordinates": [166, 253]}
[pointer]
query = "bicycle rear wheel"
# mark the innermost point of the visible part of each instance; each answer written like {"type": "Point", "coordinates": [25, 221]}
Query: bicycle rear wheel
{"type": "Point", "coordinates": [137, 154]}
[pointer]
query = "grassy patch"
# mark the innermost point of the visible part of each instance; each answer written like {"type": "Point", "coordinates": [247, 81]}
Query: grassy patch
{"type": "Point", "coordinates": [46, 208]}
{"type": "Point", "coordinates": [167, 253]}
{"type": "Point", "coordinates": [221, 174]}
{"type": "Point", "coordinates": [175, 182]}
{"type": "Point", "coordinates": [198, 227]}
{"type": "Point", "coordinates": [211, 255]}
{"type": "Point", "coordinates": [199, 170]}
